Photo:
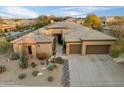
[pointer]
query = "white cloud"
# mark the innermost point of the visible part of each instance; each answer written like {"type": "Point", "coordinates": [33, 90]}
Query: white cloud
{"type": "Point", "coordinates": [19, 12]}
{"type": "Point", "coordinates": [22, 12]}
{"type": "Point", "coordinates": [77, 11]}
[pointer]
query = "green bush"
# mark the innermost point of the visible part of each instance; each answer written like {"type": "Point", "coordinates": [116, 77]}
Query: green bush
{"type": "Point", "coordinates": [22, 76]}
{"type": "Point", "coordinates": [4, 46]}
{"type": "Point", "coordinates": [23, 62]}
{"type": "Point", "coordinates": [59, 60]}
{"type": "Point", "coordinates": [116, 51]}
{"type": "Point", "coordinates": [14, 56]}
{"type": "Point", "coordinates": [35, 72]}
{"type": "Point", "coordinates": [50, 67]}
{"type": "Point", "coordinates": [50, 78]}
{"type": "Point", "coordinates": [33, 64]}
{"type": "Point", "coordinates": [120, 43]}
{"type": "Point", "coordinates": [2, 68]}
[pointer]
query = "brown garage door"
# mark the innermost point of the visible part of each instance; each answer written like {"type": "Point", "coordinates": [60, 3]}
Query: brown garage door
{"type": "Point", "coordinates": [97, 49]}
{"type": "Point", "coordinates": [75, 49]}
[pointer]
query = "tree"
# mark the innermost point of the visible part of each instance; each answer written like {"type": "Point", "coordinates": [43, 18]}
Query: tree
{"type": "Point", "coordinates": [43, 19]}
{"type": "Point", "coordinates": [93, 21]}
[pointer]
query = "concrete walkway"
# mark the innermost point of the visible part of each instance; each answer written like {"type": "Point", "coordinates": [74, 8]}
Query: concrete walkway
{"type": "Point", "coordinates": [59, 50]}
{"type": "Point", "coordinates": [95, 70]}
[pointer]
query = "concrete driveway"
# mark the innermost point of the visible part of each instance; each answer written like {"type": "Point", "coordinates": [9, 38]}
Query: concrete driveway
{"type": "Point", "coordinates": [95, 70]}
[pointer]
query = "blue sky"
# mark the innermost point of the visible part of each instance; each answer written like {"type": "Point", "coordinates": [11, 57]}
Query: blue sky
{"type": "Point", "coordinates": [74, 11]}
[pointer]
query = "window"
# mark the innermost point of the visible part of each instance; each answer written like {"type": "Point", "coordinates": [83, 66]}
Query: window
{"type": "Point", "coordinates": [38, 45]}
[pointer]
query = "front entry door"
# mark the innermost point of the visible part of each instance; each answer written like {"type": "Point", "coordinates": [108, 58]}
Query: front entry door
{"type": "Point", "coordinates": [29, 50]}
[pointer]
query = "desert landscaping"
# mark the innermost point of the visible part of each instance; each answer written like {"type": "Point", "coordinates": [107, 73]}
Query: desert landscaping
{"type": "Point", "coordinates": [10, 76]}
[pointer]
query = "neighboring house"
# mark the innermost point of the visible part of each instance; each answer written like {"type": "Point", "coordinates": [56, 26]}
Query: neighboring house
{"type": "Point", "coordinates": [33, 44]}
{"type": "Point", "coordinates": [78, 40]}
{"type": "Point", "coordinates": [80, 21]}
{"type": "Point", "coordinates": [7, 27]}
{"type": "Point", "coordinates": [108, 20]}
{"type": "Point", "coordinates": [71, 19]}
{"type": "Point", "coordinates": [25, 22]}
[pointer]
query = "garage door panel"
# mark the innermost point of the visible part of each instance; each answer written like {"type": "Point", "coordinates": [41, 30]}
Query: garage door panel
{"type": "Point", "coordinates": [97, 49]}
{"type": "Point", "coordinates": [75, 49]}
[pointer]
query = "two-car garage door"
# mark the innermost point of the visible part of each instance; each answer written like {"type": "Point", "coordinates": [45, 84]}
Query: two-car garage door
{"type": "Point", "coordinates": [97, 49]}
{"type": "Point", "coordinates": [90, 49]}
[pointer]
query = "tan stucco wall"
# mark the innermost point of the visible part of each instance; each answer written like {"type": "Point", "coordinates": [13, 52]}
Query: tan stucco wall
{"type": "Point", "coordinates": [68, 47]}
{"type": "Point", "coordinates": [16, 48]}
{"type": "Point", "coordinates": [85, 43]}
{"type": "Point", "coordinates": [44, 48]}
{"type": "Point", "coordinates": [20, 49]}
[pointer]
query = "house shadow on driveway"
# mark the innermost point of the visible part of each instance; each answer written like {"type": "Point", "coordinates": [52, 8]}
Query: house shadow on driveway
{"type": "Point", "coordinates": [95, 71]}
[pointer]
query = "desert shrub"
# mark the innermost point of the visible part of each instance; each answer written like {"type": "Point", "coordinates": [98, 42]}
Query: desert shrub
{"type": "Point", "coordinates": [2, 68]}
{"type": "Point", "coordinates": [14, 56]}
{"type": "Point", "coordinates": [50, 78]}
{"type": "Point", "coordinates": [33, 64]}
{"type": "Point", "coordinates": [116, 51]}
{"type": "Point", "coordinates": [99, 28]}
{"type": "Point", "coordinates": [59, 60]}
{"type": "Point", "coordinates": [21, 76]}
{"type": "Point", "coordinates": [42, 56]}
{"type": "Point", "coordinates": [120, 43]}
{"type": "Point", "coordinates": [23, 62]}
{"type": "Point", "coordinates": [4, 45]}
{"type": "Point", "coordinates": [50, 67]}
{"type": "Point", "coordinates": [35, 72]}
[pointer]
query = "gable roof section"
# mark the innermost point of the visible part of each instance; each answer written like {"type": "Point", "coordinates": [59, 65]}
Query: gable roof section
{"type": "Point", "coordinates": [79, 32]}
{"type": "Point", "coordinates": [33, 38]}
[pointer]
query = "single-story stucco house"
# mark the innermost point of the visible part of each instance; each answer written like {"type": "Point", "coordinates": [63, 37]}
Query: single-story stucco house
{"type": "Point", "coordinates": [78, 40]}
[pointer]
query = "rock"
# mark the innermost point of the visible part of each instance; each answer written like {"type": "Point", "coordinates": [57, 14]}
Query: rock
{"type": "Point", "coordinates": [65, 76]}
{"type": "Point", "coordinates": [43, 68]}
{"type": "Point", "coordinates": [40, 74]}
